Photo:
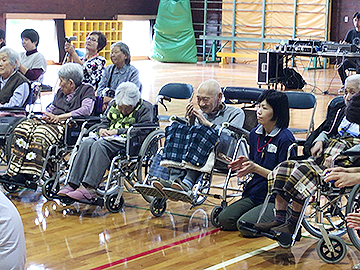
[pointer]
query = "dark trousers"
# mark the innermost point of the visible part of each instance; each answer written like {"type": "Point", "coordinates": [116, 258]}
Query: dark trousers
{"type": "Point", "coordinates": [348, 63]}
{"type": "Point", "coordinates": [229, 217]}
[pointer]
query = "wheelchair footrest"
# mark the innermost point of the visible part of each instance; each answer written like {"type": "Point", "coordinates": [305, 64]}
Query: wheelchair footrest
{"type": "Point", "coordinates": [178, 195]}
{"type": "Point", "coordinates": [149, 190]}
{"type": "Point", "coordinates": [27, 184]}
{"type": "Point", "coordinates": [284, 239]}
{"type": "Point", "coordinates": [96, 201]}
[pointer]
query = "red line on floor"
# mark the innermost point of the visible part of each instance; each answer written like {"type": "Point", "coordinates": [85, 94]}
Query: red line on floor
{"type": "Point", "coordinates": [142, 254]}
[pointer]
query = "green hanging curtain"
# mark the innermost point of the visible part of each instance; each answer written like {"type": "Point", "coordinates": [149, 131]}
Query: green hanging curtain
{"type": "Point", "coordinates": [174, 39]}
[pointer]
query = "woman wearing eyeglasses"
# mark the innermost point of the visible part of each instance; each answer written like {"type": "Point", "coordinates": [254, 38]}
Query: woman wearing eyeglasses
{"type": "Point", "coordinates": [93, 64]}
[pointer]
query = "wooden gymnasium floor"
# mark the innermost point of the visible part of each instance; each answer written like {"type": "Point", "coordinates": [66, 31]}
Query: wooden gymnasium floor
{"type": "Point", "coordinates": [87, 237]}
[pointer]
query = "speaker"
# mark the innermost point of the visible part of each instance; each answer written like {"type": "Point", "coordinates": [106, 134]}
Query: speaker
{"type": "Point", "coordinates": [269, 67]}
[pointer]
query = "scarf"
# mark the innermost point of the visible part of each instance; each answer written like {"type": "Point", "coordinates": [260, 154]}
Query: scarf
{"type": "Point", "coordinates": [118, 120]}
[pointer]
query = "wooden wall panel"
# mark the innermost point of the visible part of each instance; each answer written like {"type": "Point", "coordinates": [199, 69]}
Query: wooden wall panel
{"type": "Point", "coordinates": [78, 10]}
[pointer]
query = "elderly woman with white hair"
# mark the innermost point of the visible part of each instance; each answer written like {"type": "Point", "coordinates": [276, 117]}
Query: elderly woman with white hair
{"type": "Point", "coordinates": [15, 88]}
{"type": "Point", "coordinates": [95, 153]}
{"type": "Point", "coordinates": [33, 137]}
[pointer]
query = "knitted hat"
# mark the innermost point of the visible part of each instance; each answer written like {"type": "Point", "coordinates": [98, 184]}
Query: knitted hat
{"type": "Point", "coordinates": [32, 35]}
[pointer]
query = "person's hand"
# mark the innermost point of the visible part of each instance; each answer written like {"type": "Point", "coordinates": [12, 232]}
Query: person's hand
{"type": "Point", "coordinates": [317, 149]}
{"type": "Point", "coordinates": [327, 161]}
{"type": "Point", "coordinates": [342, 177]}
{"type": "Point", "coordinates": [105, 132]}
{"type": "Point", "coordinates": [201, 118]}
{"type": "Point", "coordinates": [189, 109]}
{"type": "Point", "coordinates": [69, 48]}
{"type": "Point", "coordinates": [353, 220]}
{"type": "Point", "coordinates": [106, 101]}
{"type": "Point", "coordinates": [243, 166]}
{"type": "Point", "coordinates": [51, 118]}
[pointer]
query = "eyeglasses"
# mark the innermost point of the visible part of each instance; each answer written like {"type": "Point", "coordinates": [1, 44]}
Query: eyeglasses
{"type": "Point", "coordinates": [91, 39]}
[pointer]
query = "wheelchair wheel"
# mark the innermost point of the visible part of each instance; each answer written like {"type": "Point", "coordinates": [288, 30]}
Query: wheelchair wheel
{"type": "Point", "coordinates": [10, 137]}
{"type": "Point", "coordinates": [154, 141]}
{"type": "Point", "coordinates": [326, 255]}
{"type": "Point", "coordinates": [113, 185]}
{"type": "Point", "coordinates": [353, 206]}
{"type": "Point", "coordinates": [158, 206]}
{"type": "Point", "coordinates": [111, 204]}
{"type": "Point", "coordinates": [214, 216]}
{"type": "Point", "coordinates": [46, 189]}
{"type": "Point", "coordinates": [11, 188]}
{"type": "Point", "coordinates": [331, 211]}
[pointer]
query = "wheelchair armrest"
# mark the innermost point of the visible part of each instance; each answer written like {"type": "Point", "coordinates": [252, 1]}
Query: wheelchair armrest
{"type": "Point", "coordinates": [346, 153]}
{"type": "Point", "coordinates": [178, 119]}
{"type": "Point", "coordinates": [12, 109]}
{"type": "Point", "coordinates": [89, 120]}
{"type": "Point", "coordinates": [300, 142]}
{"type": "Point", "coordinates": [350, 153]}
{"type": "Point", "coordinates": [239, 131]}
{"type": "Point", "coordinates": [145, 125]}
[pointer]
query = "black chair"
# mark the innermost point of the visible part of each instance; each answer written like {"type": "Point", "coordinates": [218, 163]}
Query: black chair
{"type": "Point", "coordinates": [172, 91]}
{"type": "Point", "coordinates": [302, 101]}
{"type": "Point", "coordinates": [246, 96]}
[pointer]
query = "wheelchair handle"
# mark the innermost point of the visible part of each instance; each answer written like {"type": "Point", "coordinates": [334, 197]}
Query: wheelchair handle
{"type": "Point", "coordinates": [160, 99]}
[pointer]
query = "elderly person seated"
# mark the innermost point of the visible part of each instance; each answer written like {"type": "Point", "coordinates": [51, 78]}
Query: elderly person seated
{"type": "Point", "coordinates": [118, 72]}
{"type": "Point", "coordinates": [209, 117]}
{"type": "Point", "coordinates": [93, 64]}
{"type": "Point", "coordinates": [15, 88]}
{"type": "Point", "coordinates": [33, 137]}
{"type": "Point", "coordinates": [297, 180]}
{"type": "Point", "coordinates": [95, 153]}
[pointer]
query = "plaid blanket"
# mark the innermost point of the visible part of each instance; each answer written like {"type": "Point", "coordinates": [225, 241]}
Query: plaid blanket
{"type": "Point", "coordinates": [299, 179]}
{"type": "Point", "coordinates": [190, 144]}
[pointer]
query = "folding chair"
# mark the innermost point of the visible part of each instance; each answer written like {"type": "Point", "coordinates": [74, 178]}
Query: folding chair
{"type": "Point", "coordinates": [302, 101]}
{"type": "Point", "coordinates": [246, 96]}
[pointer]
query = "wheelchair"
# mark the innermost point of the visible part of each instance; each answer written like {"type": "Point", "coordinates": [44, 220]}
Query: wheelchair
{"type": "Point", "coordinates": [57, 157]}
{"type": "Point", "coordinates": [158, 198]}
{"type": "Point", "coordinates": [233, 146]}
{"type": "Point", "coordinates": [323, 216]}
{"type": "Point", "coordinates": [56, 160]}
{"type": "Point", "coordinates": [128, 167]}
{"type": "Point", "coordinates": [124, 170]}
{"type": "Point", "coordinates": [13, 116]}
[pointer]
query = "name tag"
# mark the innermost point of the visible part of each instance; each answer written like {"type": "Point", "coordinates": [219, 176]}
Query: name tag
{"type": "Point", "coordinates": [272, 148]}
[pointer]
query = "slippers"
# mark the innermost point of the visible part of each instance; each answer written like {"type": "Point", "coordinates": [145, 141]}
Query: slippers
{"type": "Point", "coordinates": [82, 194]}
{"type": "Point", "coordinates": [65, 190]}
